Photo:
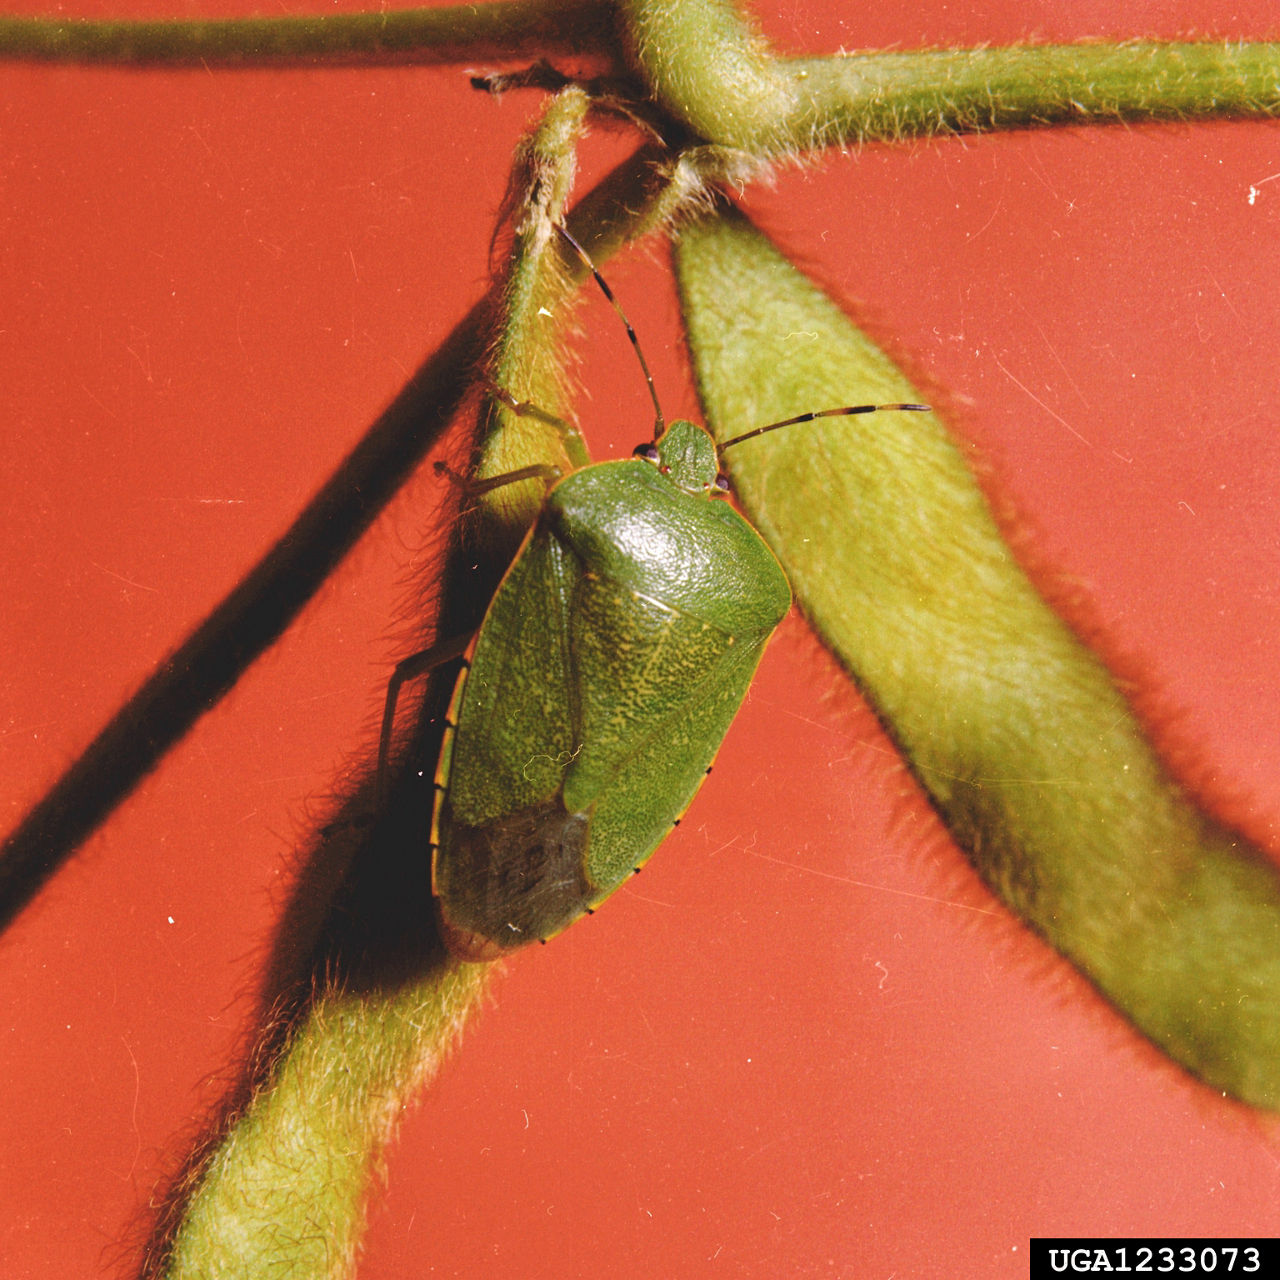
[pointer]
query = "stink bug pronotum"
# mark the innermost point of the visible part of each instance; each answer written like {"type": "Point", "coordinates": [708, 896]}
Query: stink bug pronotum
{"type": "Point", "coordinates": [612, 659]}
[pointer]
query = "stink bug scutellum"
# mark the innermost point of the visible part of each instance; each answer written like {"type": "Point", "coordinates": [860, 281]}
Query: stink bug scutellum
{"type": "Point", "coordinates": [612, 659]}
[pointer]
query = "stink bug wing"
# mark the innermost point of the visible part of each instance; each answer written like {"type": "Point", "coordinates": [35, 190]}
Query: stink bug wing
{"type": "Point", "coordinates": [658, 734]}
{"type": "Point", "coordinates": [637, 662]}
{"type": "Point", "coordinates": [515, 721]}
{"type": "Point", "coordinates": [508, 858]}
{"type": "Point", "coordinates": [661, 668]}
{"type": "Point", "coordinates": [517, 879]}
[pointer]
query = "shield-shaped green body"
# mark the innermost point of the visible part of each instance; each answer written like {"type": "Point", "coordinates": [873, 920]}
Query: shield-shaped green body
{"type": "Point", "coordinates": [612, 660]}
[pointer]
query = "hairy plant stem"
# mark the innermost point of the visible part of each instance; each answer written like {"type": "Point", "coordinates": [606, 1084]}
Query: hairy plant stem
{"type": "Point", "coordinates": [520, 28]}
{"type": "Point", "coordinates": [892, 96]}
{"type": "Point", "coordinates": [284, 1194]}
{"type": "Point", "coordinates": [709, 68]}
{"type": "Point", "coordinates": [712, 70]}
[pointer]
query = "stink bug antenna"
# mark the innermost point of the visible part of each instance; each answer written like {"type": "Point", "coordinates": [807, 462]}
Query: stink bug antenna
{"type": "Point", "coordinates": [846, 411]}
{"type": "Point", "coordinates": [659, 423]}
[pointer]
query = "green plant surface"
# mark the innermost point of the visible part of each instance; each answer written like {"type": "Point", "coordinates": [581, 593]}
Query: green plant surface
{"type": "Point", "coordinates": [1014, 728]}
{"type": "Point", "coordinates": [422, 35]}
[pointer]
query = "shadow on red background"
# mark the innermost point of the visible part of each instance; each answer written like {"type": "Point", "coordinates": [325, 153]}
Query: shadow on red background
{"type": "Point", "coordinates": [804, 1042]}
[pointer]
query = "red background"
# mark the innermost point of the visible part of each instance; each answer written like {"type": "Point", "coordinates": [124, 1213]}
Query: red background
{"type": "Point", "coordinates": [804, 1042]}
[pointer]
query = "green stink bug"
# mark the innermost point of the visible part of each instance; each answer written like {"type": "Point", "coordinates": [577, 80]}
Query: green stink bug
{"type": "Point", "coordinates": [612, 659]}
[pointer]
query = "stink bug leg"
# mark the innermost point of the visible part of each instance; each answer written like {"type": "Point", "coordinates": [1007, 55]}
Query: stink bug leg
{"type": "Point", "coordinates": [418, 664]}
{"type": "Point", "coordinates": [423, 663]}
{"type": "Point", "coordinates": [612, 659]}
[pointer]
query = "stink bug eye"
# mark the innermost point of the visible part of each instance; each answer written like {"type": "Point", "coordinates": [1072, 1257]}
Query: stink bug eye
{"type": "Point", "coordinates": [612, 659]}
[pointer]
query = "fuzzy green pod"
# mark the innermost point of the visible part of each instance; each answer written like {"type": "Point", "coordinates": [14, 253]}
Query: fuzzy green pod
{"type": "Point", "coordinates": [1012, 725]}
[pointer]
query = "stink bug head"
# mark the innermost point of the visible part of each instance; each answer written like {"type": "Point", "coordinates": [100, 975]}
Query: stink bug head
{"type": "Point", "coordinates": [686, 454]}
